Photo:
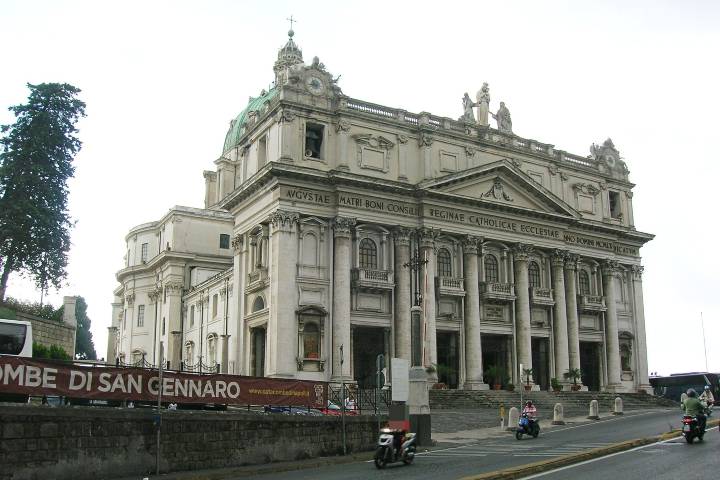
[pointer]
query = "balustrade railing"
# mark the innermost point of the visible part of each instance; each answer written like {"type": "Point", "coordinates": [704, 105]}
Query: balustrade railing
{"type": "Point", "coordinates": [450, 282]}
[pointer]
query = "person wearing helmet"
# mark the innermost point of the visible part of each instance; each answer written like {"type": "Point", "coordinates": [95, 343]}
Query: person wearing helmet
{"type": "Point", "coordinates": [694, 407]}
{"type": "Point", "coordinates": [707, 396]}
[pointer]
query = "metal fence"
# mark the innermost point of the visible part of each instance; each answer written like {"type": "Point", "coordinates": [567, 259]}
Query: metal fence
{"type": "Point", "coordinates": [361, 400]}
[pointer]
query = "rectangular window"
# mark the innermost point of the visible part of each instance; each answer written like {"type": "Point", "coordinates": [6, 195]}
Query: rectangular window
{"type": "Point", "coordinates": [262, 151]}
{"type": "Point", "coordinates": [224, 240]}
{"type": "Point", "coordinates": [313, 140]}
{"type": "Point", "coordinates": [615, 211]}
{"type": "Point", "coordinates": [141, 316]}
{"type": "Point", "coordinates": [144, 252]}
{"type": "Point", "coordinates": [215, 305]}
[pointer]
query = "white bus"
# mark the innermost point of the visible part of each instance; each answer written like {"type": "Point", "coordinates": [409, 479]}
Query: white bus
{"type": "Point", "coordinates": [16, 338]}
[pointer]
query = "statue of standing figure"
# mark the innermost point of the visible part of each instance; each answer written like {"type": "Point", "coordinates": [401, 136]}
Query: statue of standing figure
{"type": "Point", "coordinates": [483, 104]}
{"type": "Point", "coordinates": [502, 117]}
{"type": "Point", "coordinates": [468, 109]}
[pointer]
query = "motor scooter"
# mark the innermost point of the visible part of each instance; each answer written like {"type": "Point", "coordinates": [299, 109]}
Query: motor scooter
{"type": "Point", "coordinates": [527, 426]}
{"type": "Point", "coordinates": [394, 446]}
{"type": "Point", "coordinates": [691, 429]}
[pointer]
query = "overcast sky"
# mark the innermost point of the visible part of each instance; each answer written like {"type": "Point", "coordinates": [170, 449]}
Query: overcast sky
{"type": "Point", "coordinates": [162, 80]}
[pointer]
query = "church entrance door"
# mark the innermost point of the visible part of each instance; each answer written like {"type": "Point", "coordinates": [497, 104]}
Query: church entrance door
{"type": "Point", "coordinates": [590, 365]}
{"type": "Point", "coordinates": [495, 358]}
{"type": "Point", "coordinates": [541, 362]}
{"type": "Point", "coordinates": [368, 343]}
{"type": "Point", "coordinates": [447, 353]}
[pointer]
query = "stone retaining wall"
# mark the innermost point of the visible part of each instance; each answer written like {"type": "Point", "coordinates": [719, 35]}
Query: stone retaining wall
{"type": "Point", "coordinates": [94, 442]}
{"type": "Point", "coordinates": [50, 332]}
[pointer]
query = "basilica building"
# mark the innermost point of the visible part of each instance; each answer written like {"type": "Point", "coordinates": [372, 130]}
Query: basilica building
{"type": "Point", "coordinates": [335, 229]}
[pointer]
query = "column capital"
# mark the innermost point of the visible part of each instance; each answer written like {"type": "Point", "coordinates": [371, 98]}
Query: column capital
{"type": "Point", "coordinates": [637, 271]}
{"type": "Point", "coordinates": [342, 126]}
{"type": "Point", "coordinates": [571, 261]}
{"type": "Point", "coordinates": [426, 236]}
{"type": "Point", "coordinates": [401, 235]}
{"type": "Point", "coordinates": [471, 244]}
{"type": "Point", "coordinates": [174, 288]}
{"type": "Point", "coordinates": [237, 242]}
{"type": "Point", "coordinates": [611, 268]}
{"type": "Point", "coordinates": [343, 225]}
{"type": "Point", "coordinates": [154, 294]}
{"type": "Point", "coordinates": [284, 220]}
{"type": "Point", "coordinates": [522, 251]}
{"type": "Point", "coordinates": [558, 257]}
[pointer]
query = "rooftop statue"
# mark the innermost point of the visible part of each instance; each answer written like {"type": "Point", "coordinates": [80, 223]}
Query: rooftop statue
{"type": "Point", "coordinates": [468, 105]}
{"type": "Point", "coordinates": [483, 104]}
{"type": "Point", "coordinates": [502, 117]}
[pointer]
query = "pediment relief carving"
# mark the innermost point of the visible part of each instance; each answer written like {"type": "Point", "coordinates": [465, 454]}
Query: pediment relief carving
{"type": "Point", "coordinates": [497, 191]}
{"type": "Point", "coordinates": [586, 188]}
{"type": "Point", "coordinates": [373, 141]}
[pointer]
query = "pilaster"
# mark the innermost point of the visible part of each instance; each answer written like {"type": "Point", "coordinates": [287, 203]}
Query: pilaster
{"type": "Point", "coordinates": [342, 228]}
{"type": "Point", "coordinates": [560, 323]}
{"type": "Point", "coordinates": [643, 382]}
{"type": "Point", "coordinates": [522, 306]}
{"type": "Point", "coordinates": [403, 296]}
{"type": "Point", "coordinates": [473, 343]}
{"type": "Point", "coordinates": [426, 238]}
{"type": "Point", "coordinates": [573, 323]}
{"type": "Point", "coordinates": [610, 270]}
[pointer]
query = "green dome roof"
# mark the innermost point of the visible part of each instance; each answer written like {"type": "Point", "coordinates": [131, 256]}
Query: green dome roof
{"type": "Point", "coordinates": [237, 126]}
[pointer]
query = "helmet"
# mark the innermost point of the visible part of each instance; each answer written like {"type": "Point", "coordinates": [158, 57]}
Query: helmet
{"type": "Point", "coordinates": [691, 392]}
{"type": "Point", "coordinates": [707, 387]}
{"type": "Point", "coordinates": [528, 403]}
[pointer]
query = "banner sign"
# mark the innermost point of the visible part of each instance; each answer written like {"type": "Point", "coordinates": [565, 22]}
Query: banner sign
{"type": "Point", "coordinates": [32, 377]}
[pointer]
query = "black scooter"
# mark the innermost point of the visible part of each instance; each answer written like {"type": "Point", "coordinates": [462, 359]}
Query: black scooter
{"type": "Point", "coordinates": [691, 429]}
{"type": "Point", "coordinates": [387, 450]}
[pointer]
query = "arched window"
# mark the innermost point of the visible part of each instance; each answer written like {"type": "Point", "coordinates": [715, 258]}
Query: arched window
{"type": "Point", "coordinates": [258, 304]}
{"type": "Point", "coordinates": [534, 274]}
{"type": "Point", "coordinates": [212, 349]}
{"type": "Point", "coordinates": [491, 269]}
{"type": "Point", "coordinates": [368, 254]}
{"type": "Point", "coordinates": [444, 263]}
{"type": "Point", "coordinates": [311, 341]}
{"type": "Point", "coordinates": [584, 283]}
{"type": "Point", "coordinates": [189, 353]}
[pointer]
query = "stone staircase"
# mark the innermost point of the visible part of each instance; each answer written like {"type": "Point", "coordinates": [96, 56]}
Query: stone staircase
{"type": "Point", "coordinates": [574, 403]}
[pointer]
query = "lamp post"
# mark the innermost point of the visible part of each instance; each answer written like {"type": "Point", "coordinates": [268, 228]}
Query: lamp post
{"type": "Point", "coordinates": [342, 399]}
{"type": "Point", "coordinates": [415, 264]}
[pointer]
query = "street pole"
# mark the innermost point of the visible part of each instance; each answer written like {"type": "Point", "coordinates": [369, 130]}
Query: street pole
{"type": "Point", "coordinates": [159, 412]}
{"type": "Point", "coordinates": [342, 399]}
{"type": "Point", "coordinates": [702, 323]}
{"type": "Point", "coordinates": [521, 388]}
{"type": "Point", "coordinates": [379, 364]}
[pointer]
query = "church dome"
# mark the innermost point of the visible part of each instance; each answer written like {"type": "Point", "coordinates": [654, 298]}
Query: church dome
{"type": "Point", "coordinates": [237, 126]}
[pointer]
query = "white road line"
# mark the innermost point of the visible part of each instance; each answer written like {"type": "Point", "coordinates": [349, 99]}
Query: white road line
{"type": "Point", "coordinates": [601, 458]}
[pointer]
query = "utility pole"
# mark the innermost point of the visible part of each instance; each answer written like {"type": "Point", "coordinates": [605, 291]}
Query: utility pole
{"type": "Point", "coordinates": [158, 418]}
{"type": "Point", "coordinates": [342, 399]}
{"type": "Point", "coordinates": [702, 324]}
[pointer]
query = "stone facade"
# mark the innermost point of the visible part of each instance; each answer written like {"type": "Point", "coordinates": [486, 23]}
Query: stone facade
{"type": "Point", "coordinates": [345, 214]}
{"type": "Point", "coordinates": [49, 332]}
{"type": "Point", "coordinates": [86, 443]}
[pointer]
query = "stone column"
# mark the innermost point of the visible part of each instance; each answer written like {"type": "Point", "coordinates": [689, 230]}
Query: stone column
{"type": "Point", "coordinates": [560, 321]}
{"type": "Point", "coordinates": [426, 238]}
{"type": "Point", "coordinates": [643, 383]}
{"type": "Point", "coordinates": [237, 311]}
{"type": "Point", "coordinates": [403, 294]}
{"type": "Point", "coordinates": [522, 310]}
{"type": "Point", "coordinates": [609, 271]}
{"type": "Point", "coordinates": [224, 353]}
{"type": "Point", "coordinates": [282, 326]}
{"type": "Point", "coordinates": [174, 291]}
{"type": "Point", "coordinates": [112, 345]}
{"type": "Point", "coordinates": [175, 354]}
{"type": "Point", "coordinates": [341, 298]}
{"type": "Point", "coordinates": [342, 128]}
{"type": "Point", "coordinates": [573, 324]}
{"type": "Point", "coordinates": [473, 345]}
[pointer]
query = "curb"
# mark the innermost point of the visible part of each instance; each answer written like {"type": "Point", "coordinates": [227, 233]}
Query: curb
{"type": "Point", "coordinates": [545, 465]}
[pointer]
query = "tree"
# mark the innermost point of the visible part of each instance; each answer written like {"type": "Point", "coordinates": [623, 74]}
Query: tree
{"type": "Point", "coordinates": [84, 346]}
{"type": "Point", "coordinates": [35, 164]}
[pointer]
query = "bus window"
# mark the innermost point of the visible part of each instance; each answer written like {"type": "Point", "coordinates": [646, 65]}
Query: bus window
{"type": "Point", "coordinates": [15, 338]}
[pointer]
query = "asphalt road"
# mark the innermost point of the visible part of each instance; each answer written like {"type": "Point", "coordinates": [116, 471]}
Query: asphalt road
{"type": "Point", "coordinates": [666, 460]}
{"type": "Point", "coordinates": [501, 451]}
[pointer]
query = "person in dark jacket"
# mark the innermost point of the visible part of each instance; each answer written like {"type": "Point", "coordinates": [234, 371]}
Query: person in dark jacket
{"type": "Point", "coordinates": [695, 408]}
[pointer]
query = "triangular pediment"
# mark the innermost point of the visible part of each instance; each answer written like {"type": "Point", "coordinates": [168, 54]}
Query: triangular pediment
{"type": "Point", "coordinates": [501, 184]}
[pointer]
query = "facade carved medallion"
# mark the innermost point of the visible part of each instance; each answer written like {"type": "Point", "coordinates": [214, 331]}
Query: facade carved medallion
{"type": "Point", "coordinates": [401, 235]}
{"type": "Point", "coordinates": [342, 126]}
{"type": "Point", "coordinates": [497, 191]}
{"type": "Point", "coordinates": [522, 252]}
{"type": "Point", "coordinates": [471, 244]}
{"type": "Point", "coordinates": [586, 188]}
{"type": "Point", "coordinates": [284, 220]}
{"type": "Point", "coordinates": [425, 140]}
{"type": "Point", "coordinates": [343, 225]}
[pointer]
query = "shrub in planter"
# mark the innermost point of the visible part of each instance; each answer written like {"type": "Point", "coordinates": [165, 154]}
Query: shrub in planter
{"type": "Point", "coordinates": [555, 384]}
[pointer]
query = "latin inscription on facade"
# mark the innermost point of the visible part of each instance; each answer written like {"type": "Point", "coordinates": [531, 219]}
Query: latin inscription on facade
{"type": "Point", "coordinates": [494, 313]}
{"type": "Point", "coordinates": [497, 223]}
{"type": "Point", "coordinates": [378, 205]}
{"type": "Point", "coordinates": [308, 195]}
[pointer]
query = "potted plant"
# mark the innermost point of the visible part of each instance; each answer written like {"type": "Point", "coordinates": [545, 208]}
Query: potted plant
{"type": "Point", "coordinates": [494, 377]}
{"type": "Point", "coordinates": [510, 387]}
{"type": "Point", "coordinates": [555, 384]}
{"type": "Point", "coordinates": [528, 372]}
{"type": "Point", "coordinates": [573, 374]}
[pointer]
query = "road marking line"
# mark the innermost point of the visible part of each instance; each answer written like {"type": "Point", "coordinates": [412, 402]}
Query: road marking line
{"type": "Point", "coordinates": [542, 474]}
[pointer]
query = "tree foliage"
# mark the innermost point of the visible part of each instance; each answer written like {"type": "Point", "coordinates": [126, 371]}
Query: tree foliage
{"type": "Point", "coordinates": [55, 352]}
{"type": "Point", "coordinates": [33, 308]}
{"type": "Point", "coordinates": [84, 346]}
{"type": "Point", "coordinates": [35, 164]}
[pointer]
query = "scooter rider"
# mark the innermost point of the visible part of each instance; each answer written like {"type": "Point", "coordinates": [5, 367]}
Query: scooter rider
{"type": "Point", "coordinates": [531, 411]}
{"type": "Point", "coordinates": [707, 397]}
{"type": "Point", "coordinates": [694, 407]}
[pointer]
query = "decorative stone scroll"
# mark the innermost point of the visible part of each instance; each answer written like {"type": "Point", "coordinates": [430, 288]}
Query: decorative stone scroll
{"type": "Point", "coordinates": [586, 188]}
{"type": "Point", "coordinates": [497, 192]}
{"type": "Point", "coordinates": [342, 126]}
{"type": "Point", "coordinates": [237, 242]}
